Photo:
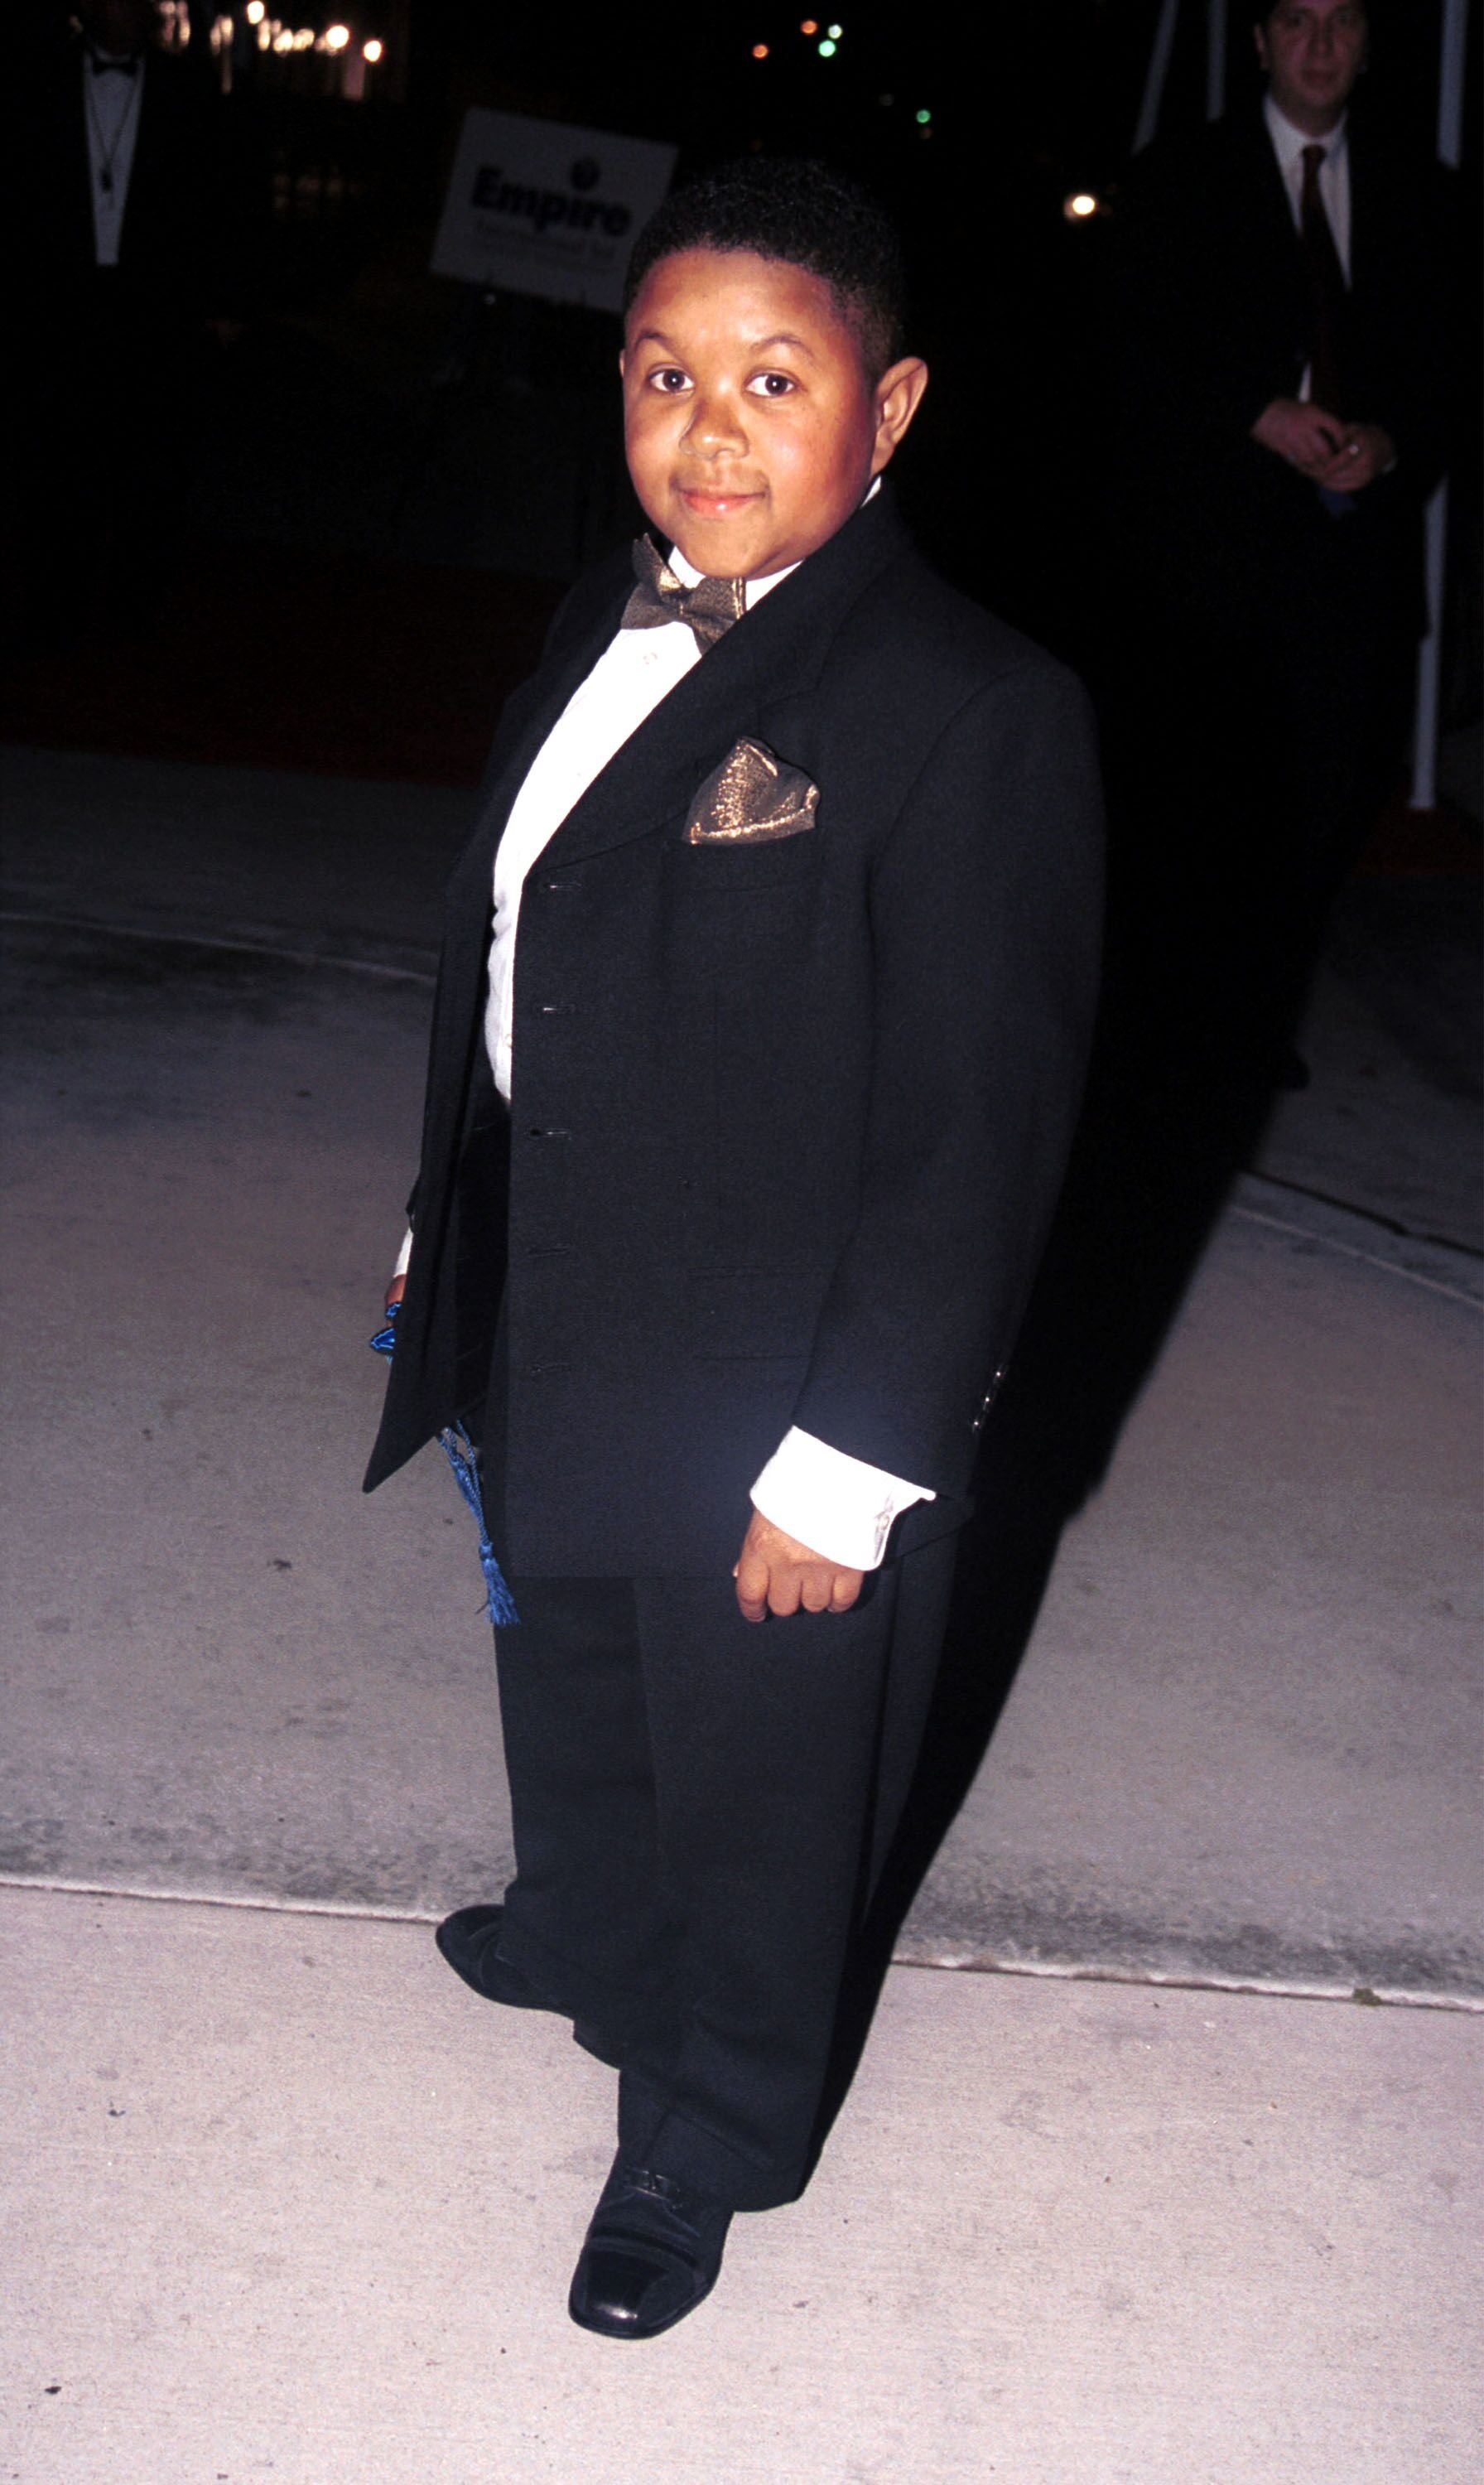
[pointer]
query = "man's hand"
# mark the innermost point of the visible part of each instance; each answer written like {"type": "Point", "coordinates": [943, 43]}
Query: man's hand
{"type": "Point", "coordinates": [395, 1289]}
{"type": "Point", "coordinates": [1303, 436]}
{"type": "Point", "coordinates": [1365, 452]}
{"type": "Point", "coordinates": [776, 1574]}
{"type": "Point", "coordinates": [1343, 457]}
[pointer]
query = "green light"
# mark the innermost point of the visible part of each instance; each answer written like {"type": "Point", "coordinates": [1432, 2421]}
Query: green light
{"type": "Point", "coordinates": [922, 118]}
{"type": "Point", "coordinates": [834, 33]}
{"type": "Point", "coordinates": [826, 50]}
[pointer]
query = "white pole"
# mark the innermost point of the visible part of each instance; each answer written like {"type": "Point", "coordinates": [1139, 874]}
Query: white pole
{"type": "Point", "coordinates": [1158, 69]}
{"type": "Point", "coordinates": [1215, 59]}
{"type": "Point", "coordinates": [1424, 736]}
{"type": "Point", "coordinates": [1425, 733]}
{"type": "Point", "coordinates": [1451, 81]}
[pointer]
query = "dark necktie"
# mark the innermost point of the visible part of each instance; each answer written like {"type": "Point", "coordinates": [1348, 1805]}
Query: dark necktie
{"type": "Point", "coordinates": [1327, 282]}
{"type": "Point", "coordinates": [709, 609]}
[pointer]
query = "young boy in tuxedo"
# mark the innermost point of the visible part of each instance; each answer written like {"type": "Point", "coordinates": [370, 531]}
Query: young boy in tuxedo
{"type": "Point", "coordinates": [735, 1167]}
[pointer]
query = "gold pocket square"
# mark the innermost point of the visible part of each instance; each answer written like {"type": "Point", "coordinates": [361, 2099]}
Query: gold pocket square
{"type": "Point", "coordinates": [752, 796]}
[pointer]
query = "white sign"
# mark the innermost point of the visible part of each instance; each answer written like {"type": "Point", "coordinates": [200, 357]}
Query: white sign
{"type": "Point", "coordinates": [536, 206]}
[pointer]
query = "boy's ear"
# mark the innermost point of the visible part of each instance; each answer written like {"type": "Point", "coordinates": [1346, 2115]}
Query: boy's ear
{"type": "Point", "coordinates": [899, 393]}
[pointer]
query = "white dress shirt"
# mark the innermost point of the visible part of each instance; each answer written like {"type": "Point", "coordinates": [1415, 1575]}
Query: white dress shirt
{"type": "Point", "coordinates": [838, 1506]}
{"type": "Point", "coordinates": [1288, 145]}
{"type": "Point", "coordinates": [111, 108]}
{"type": "Point", "coordinates": [637, 670]}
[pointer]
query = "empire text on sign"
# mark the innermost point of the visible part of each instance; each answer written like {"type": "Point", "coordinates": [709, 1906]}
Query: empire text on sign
{"type": "Point", "coordinates": [541, 206]}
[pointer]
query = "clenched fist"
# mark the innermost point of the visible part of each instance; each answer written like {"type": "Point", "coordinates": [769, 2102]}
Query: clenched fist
{"type": "Point", "coordinates": [776, 1574]}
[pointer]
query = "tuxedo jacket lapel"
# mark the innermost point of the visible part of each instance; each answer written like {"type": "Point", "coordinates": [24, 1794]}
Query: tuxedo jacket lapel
{"type": "Point", "coordinates": [1274, 235]}
{"type": "Point", "coordinates": [1378, 204]}
{"type": "Point", "coordinates": [528, 717]}
{"type": "Point", "coordinates": [786, 637]}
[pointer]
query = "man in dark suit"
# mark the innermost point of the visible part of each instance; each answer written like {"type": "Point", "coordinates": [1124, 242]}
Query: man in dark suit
{"type": "Point", "coordinates": [122, 247]}
{"type": "Point", "coordinates": [803, 852]}
{"type": "Point", "coordinates": [1279, 406]}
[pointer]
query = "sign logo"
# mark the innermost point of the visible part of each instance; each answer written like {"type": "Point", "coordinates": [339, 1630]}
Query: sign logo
{"type": "Point", "coordinates": [539, 207]}
{"type": "Point", "coordinates": [495, 195]}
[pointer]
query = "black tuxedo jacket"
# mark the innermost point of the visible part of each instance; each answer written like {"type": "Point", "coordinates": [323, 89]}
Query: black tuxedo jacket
{"type": "Point", "coordinates": [1212, 318]}
{"type": "Point", "coordinates": [789, 1119]}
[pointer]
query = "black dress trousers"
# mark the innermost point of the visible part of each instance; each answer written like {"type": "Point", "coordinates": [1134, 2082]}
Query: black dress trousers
{"type": "Point", "coordinates": [701, 1806]}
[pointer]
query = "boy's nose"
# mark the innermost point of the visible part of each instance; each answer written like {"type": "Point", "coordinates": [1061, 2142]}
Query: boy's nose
{"type": "Point", "coordinates": [714, 425]}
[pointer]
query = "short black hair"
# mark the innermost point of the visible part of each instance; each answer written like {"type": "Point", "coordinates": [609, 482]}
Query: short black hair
{"type": "Point", "coordinates": [792, 209]}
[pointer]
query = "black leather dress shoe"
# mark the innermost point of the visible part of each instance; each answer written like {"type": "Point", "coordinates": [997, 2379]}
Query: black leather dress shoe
{"type": "Point", "coordinates": [470, 1941]}
{"type": "Point", "coordinates": [653, 2251]}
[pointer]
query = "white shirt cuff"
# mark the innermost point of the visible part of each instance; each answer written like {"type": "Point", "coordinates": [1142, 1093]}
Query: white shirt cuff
{"type": "Point", "coordinates": [404, 1256]}
{"type": "Point", "coordinates": [835, 1504]}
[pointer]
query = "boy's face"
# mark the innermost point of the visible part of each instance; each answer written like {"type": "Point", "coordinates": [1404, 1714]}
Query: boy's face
{"type": "Point", "coordinates": [751, 428]}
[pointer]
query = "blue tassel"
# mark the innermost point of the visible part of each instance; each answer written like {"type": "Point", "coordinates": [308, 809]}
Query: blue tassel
{"type": "Point", "coordinates": [459, 1451]}
{"type": "Point", "coordinates": [463, 1458]}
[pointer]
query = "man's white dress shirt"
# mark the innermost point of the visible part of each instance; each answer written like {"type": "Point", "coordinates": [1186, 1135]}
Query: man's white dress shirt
{"type": "Point", "coordinates": [1288, 145]}
{"type": "Point", "coordinates": [837, 1505]}
{"type": "Point", "coordinates": [111, 109]}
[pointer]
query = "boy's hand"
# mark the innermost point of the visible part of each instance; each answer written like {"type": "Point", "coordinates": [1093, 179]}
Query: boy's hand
{"type": "Point", "coordinates": [776, 1574]}
{"type": "Point", "coordinates": [396, 1288]}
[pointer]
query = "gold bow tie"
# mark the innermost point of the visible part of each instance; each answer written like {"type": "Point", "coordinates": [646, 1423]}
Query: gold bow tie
{"type": "Point", "coordinates": [709, 609]}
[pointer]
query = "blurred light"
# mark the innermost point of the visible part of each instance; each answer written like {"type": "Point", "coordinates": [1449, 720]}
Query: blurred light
{"type": "Point", "coordinates": [826, 50]}
{"type": "Point", "coordinates": [810, 26]}
{"type": "Point", "coordinates": [304, 38]}
{"type": "Point", "coordinates": [922, 118]}
{"type": "Point", "coordinates": [1079, 206]}
{"type": "Point", "coordinates": [834, 33]}
{"type": "Point", "coordinates": [255, 13]}
{"type": "Point", "coordinates": [282, 40]}
{"type": "Point", "coordinates": [760, 52]}
{"type": "Point", "coordinates": [336, 38]}
{"type": "Point", "coordinates": [373, 50]}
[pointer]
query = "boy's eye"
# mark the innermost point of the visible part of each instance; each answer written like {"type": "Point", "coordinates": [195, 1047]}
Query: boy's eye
{"type": "Point", "coordinates": [771, 384]}
{"type": "Point", "coordinates": [667, 380]}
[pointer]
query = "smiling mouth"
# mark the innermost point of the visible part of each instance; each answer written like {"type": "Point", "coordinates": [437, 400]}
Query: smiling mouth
{"type": "Point", "coordinates": [714, 501]}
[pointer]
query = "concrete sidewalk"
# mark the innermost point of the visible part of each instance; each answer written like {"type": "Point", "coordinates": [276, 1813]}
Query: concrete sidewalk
{"type": "Point", "coordinates": [287, 2201]}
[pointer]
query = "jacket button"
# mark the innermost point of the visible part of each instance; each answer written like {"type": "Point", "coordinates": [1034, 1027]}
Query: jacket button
{"type": "Point", "coordinates": [537, 1132]}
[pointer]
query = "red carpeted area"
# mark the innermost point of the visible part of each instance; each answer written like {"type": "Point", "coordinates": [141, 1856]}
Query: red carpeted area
{"type": "Point", "coordinates": [1404, 842]}
{"type": "Point", "coordinates": [266, 658]}
{"type": "Point", "coordinates": [270, 658]}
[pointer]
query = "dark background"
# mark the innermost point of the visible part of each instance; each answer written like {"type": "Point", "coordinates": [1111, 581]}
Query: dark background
{"type": "Point", "coordinates": [387, 478]}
